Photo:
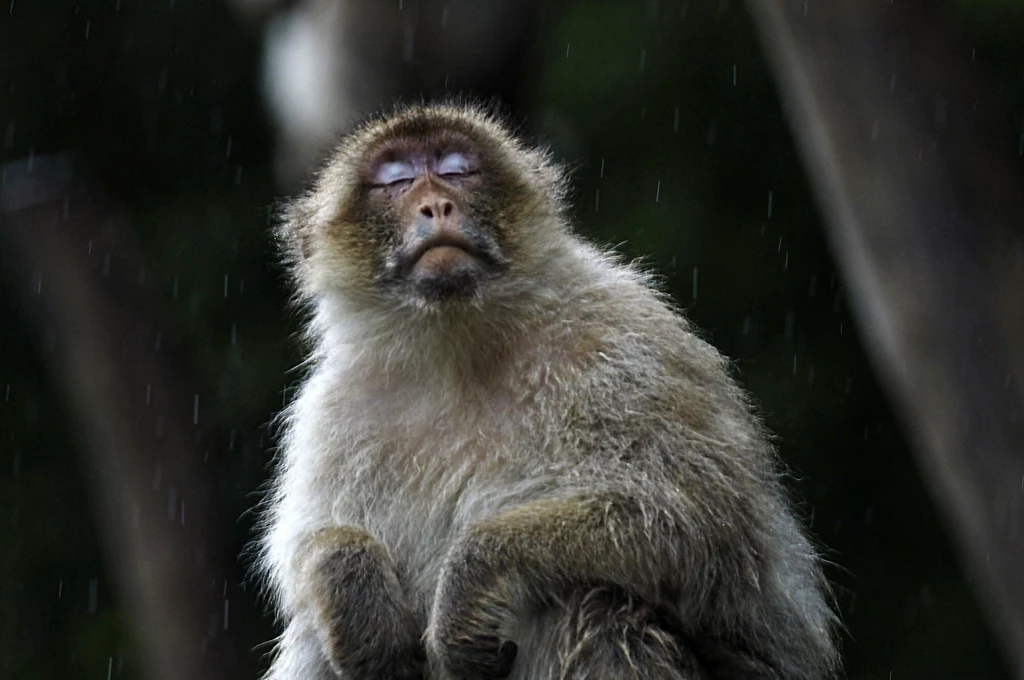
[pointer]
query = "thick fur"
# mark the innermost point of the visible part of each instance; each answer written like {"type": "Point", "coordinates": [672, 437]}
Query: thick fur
{"type": "Point", "coordinates": [552, 478]}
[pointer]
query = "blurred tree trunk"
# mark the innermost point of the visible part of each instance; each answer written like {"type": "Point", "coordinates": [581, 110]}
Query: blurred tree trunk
{"type": "Point", "coordinates": [916, 170]}
{"type": "Point", "coordinates": [327, 64]}
{"type": "Point", "coordinates": [81, 278]}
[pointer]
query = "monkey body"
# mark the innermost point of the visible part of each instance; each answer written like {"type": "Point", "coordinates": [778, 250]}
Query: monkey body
{"type": "Point", "coordinates": [555, 480]}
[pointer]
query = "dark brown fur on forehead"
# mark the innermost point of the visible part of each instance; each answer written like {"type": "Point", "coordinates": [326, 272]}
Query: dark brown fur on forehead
{"type": "Point", "coordinates": [422, 120]}
{"type": "Point", "coordinates": [429, 123]}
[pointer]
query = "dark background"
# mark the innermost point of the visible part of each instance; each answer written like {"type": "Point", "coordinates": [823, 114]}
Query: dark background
{"type": "Point", "coordinates": [668, 115]}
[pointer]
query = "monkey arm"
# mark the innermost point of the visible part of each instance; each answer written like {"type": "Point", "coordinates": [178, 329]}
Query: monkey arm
{"type": "Point", "coordinates": [741, 583]}
{"type": "Point", "coordinates": [358, 605]}
{"type": "Point", "coordinates": [534, 553]}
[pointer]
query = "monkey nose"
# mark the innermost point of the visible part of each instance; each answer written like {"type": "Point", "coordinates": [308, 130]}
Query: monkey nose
{"type": "Point", "coordinates": [436, 207]}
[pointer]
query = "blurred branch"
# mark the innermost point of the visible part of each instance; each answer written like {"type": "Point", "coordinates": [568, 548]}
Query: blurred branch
{"type": "Point", "coordinates": [154, 504]}
{"type": "Point", "coordinates": [914, 168]}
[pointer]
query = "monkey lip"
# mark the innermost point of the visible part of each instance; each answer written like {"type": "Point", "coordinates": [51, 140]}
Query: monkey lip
{"type": "Point", "coordinates": [441, 247]}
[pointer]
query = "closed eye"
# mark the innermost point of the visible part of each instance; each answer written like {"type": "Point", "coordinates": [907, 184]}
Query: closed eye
{"type": "Point", "coordinates": [454, 165]}
{"type": "Point", "coordinates": [394, 173]}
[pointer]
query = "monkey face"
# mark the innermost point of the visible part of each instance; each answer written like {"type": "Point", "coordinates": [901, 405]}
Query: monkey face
{"type": "Point", "coordinates": [428, 199]}
{"type": "Point", "coordinates": [430, 205]}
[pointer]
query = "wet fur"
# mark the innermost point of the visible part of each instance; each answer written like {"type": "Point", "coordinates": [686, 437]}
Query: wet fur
{"type": "Point", "coordinates": [556, 460]}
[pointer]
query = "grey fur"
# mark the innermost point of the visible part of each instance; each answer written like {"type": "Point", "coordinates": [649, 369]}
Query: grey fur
{"type": "Point", "coordinates": [559, 463]}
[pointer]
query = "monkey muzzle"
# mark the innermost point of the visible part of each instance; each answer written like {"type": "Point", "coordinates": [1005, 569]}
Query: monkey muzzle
{"type": "Point", "coordinates": [444, 260]}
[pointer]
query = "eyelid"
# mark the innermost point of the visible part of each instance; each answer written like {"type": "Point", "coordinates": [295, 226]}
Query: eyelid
{"type": "Point", "coordinates": [393, 172]}
{"type": "Point", "coordinates": [453, 163]}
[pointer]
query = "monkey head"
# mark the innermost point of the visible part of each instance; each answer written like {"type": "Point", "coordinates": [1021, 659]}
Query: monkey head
{"type": "Point", "coordinates": [433, 205]}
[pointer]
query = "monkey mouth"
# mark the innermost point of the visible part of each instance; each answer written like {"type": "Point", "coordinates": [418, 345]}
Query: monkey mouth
{"type": "Point", "coordinates": [446, 264]}
{"type": "Point", "coordinates": [445, 252]}
{"type": "Point", "coordinates": [441, 247]}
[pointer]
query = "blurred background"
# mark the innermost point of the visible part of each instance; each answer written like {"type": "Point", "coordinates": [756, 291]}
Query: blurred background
{"type": "Point", "coordinates": [146, 342]}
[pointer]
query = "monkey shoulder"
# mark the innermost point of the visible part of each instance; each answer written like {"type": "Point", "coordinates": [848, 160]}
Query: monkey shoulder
{"type": "Point", "coordinates": [645, 381]}
{"type": "Point", "coordinates": [644, 351]}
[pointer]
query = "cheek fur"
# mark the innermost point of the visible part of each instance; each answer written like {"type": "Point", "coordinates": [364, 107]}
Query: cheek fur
{"type": "Point", "coordinates": [374, 238]}
{"type": "Point", "coordinates": [350, 253]}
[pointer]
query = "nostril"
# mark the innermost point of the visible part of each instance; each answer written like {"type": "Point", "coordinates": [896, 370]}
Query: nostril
{"type": "Point", "coordinates": [426, 211]}
{"type": "Point", "coordinates": [447, 208]}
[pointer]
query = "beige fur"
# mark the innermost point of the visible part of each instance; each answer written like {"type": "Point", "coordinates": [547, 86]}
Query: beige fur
{"type": "Point", "coordinates": [558, 460]}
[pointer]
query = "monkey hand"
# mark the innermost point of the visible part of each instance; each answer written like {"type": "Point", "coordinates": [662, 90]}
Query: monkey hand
{"type": "Point", "coordinates": [472, 612]}
{"type": "Point", "coordinates": [367, 629]}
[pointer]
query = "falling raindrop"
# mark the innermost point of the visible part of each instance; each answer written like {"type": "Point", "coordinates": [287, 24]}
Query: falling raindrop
{"type": "Point", "coordinates": [408, 43]}
{"type": "Point", "coordinates": [94, 590]}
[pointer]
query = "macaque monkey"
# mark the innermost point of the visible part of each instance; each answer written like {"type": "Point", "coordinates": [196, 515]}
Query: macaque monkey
{"type": "Point", "coordinates": [511, 456]}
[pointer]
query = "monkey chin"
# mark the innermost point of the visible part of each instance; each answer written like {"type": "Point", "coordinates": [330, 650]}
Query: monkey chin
{"type": "Point", "coordinates": [447, 272]}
